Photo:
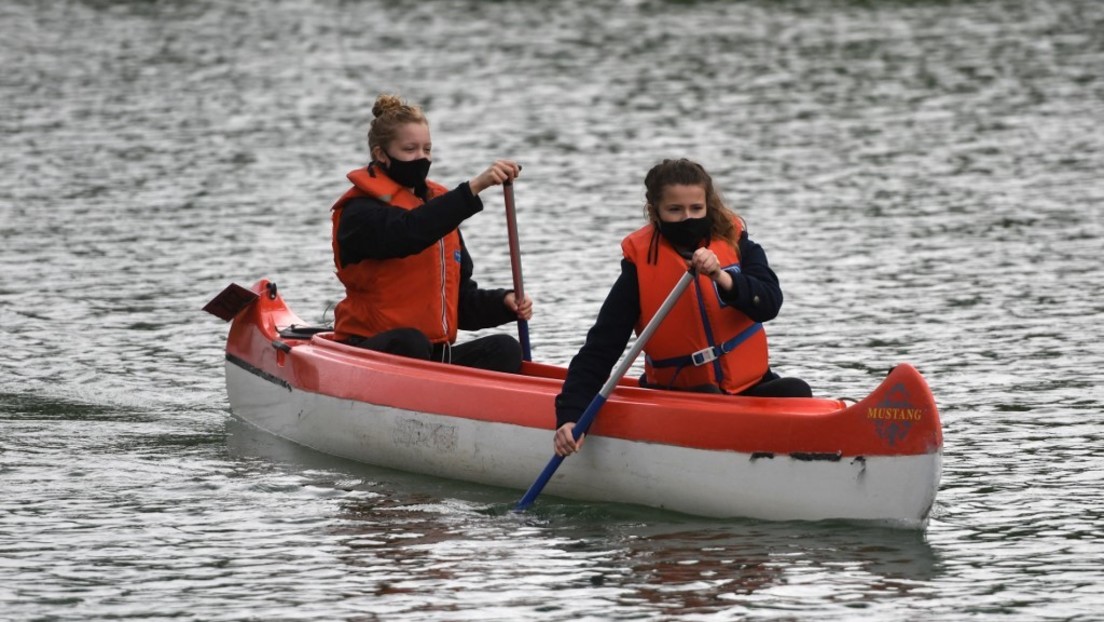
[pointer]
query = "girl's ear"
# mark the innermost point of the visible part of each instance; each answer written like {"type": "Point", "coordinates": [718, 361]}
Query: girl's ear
{"type": "Point", "coordinates": [379, 156]}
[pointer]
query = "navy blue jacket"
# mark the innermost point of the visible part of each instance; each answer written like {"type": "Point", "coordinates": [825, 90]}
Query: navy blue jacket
{"type": "Point", "coordinates": [755, 291]}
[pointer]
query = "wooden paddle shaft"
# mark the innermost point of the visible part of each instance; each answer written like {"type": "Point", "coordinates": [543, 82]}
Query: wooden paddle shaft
{"type": "Point", "coordinates": [515, 264]}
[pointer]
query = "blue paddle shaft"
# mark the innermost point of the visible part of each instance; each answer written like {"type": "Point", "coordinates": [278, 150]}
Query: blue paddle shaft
{"type": "Point", "coordinates": [591, 411]}
{"type": "Point", "coordinates": [523, 335]}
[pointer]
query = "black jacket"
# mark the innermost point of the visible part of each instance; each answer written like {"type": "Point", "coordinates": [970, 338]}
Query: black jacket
{"type": "Point", "coordinates": [372, 229]}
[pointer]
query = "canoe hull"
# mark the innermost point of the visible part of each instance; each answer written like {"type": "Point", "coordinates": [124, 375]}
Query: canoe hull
{"type": "Point", "coordinates": [505, 440]}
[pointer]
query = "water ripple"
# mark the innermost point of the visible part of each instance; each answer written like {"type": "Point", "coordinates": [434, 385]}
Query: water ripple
{"type": "Point", "coordinates": [923, 176]}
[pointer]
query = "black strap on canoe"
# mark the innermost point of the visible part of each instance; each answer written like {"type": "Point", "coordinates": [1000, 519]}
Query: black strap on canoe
{"type": "Point", "coordinates": [296, 331]}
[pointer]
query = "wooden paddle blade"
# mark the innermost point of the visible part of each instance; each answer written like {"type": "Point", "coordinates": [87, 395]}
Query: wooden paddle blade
{"type": "Point", "coordinates": [230, 301]}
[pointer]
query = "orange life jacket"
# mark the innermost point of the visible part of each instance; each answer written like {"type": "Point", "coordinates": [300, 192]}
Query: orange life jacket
{"type": "Point", "coordinates": [419, 291]}
{"type": "Point", "coordinates": [702, 340]}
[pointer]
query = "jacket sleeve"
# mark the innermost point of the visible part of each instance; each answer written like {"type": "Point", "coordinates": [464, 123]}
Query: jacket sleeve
{"type": "Point", "coordinates": [479, 308]}
{"type": "Point", "coordinates": [755, 289]}
{"type": "Point", "coordinates": [605, 342]}
{"type": "Point", "coordinates": [372, 229]}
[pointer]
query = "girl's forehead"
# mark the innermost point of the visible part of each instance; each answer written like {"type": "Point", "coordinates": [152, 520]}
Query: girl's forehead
{"type": "Point", "coordinates": [681, 193]}
{"type": "Point", "coordinates": [413, 132]}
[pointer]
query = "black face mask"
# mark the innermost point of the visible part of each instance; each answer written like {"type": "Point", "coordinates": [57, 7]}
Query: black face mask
{"type": "Point", "coordinates": [686, 233]}
{"type": "Point", "coordinates": [410, 174]}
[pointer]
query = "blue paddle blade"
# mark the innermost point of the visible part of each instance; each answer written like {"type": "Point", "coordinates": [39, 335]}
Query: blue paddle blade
{"type": "Point", "coordinates": [591, 412]}
{"type": "Point", "coordinates": [578, 431]}
{"type": "Point", "coordinates": [542, 479]}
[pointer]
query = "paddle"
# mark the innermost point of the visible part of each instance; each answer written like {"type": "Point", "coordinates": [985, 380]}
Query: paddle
{"type": "Point", "coordinates": [596, 404]}
{"type": "Point", "coordinates": [515, 264]}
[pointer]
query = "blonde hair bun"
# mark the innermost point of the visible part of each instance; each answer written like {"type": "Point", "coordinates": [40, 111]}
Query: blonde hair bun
{"type": "Point", "coordinates": [391, 113]}
{"type": "Point", "coordinates": [386, 103]}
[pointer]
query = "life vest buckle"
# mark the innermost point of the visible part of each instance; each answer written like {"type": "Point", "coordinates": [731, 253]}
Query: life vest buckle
{"type": "Point", "coordinates": [706, 355]}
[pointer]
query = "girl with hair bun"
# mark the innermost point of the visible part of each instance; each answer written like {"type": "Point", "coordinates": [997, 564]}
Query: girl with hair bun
{"type": "Point", "coordinates": [398, 251]}
{"type": "Point", "coordinates": [712, 340]}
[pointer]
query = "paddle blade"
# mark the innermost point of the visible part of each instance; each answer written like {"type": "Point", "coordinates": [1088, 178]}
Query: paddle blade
{"type": "Point", "coordinates": [538, 485]}
{"type": "Point", "coordinates": [230, 302]}
{"type": "Point", "coordinates": [577, 432]}
{"type": "Point", "coordinates": [591, 412]}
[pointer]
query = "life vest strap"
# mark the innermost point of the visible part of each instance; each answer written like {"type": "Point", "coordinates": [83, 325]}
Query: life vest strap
{"type": "Point", "coordinates": [712, 353]}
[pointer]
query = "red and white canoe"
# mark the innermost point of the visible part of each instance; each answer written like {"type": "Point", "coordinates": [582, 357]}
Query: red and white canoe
{"type": "Point", "coordinates": [710, 455]}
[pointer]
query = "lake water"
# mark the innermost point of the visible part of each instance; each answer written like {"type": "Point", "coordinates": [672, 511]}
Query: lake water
{"type": "Point", "coordinates": [924, 175]}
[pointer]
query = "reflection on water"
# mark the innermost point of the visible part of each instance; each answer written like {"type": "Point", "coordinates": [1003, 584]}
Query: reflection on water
{"type": "Point", "coordinates": [705, 567]}
{"type": "Point", "coordinates": [422, 542]}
